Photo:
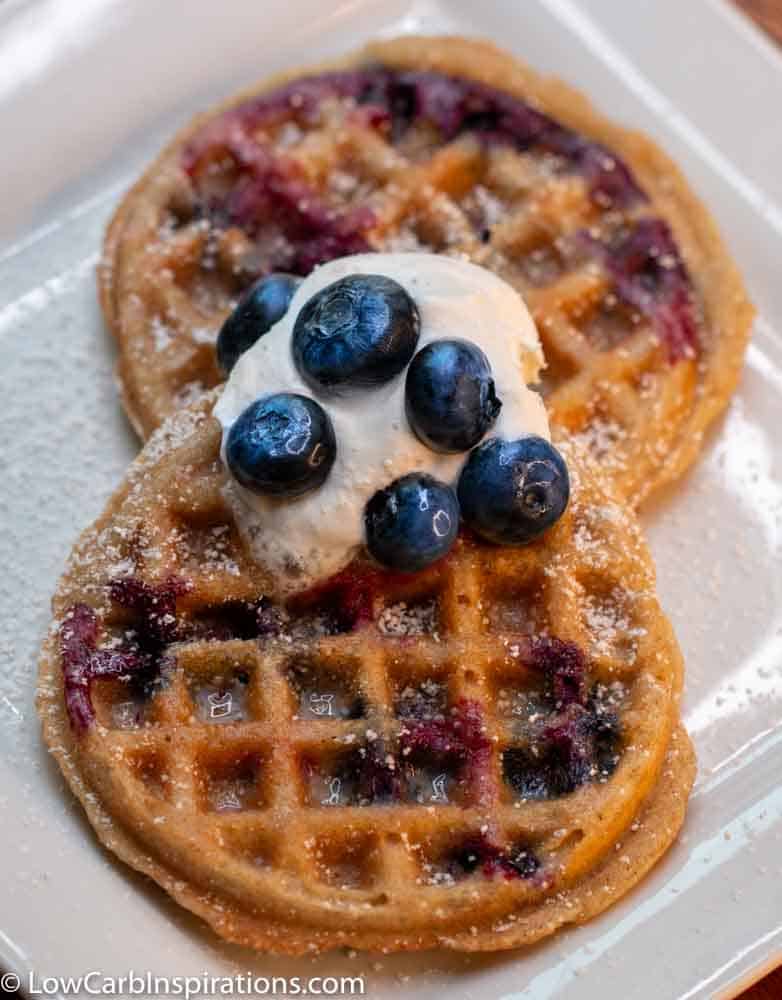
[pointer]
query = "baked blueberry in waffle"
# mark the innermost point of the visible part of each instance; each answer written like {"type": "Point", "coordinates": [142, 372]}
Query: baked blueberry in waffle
{"type": "Point", "coordinates": [450, 146]}
{"type": "Point", "coordinates": [467, 755]}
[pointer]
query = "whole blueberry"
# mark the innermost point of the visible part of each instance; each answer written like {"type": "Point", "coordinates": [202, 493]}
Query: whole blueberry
{"type": "Point", "coordinates": [359, 331]}
{"type": "Point", "coordinates": [449, 395]}
{"type": "Point", "coordinates": [411, 522]}
{"type": "Point", "coordinates": [263, 304]}
{"type": "Point", "coordinates": [281, 445]}
{"type": "Point", "coordinates": [512, 491]}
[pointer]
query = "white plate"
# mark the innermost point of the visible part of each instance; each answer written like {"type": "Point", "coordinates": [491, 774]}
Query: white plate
{"type": "Point", "coordinates": [88, 91]}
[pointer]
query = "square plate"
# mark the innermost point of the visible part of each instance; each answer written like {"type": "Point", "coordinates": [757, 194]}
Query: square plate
{"type": "Point", "coordinates": [88, 92]}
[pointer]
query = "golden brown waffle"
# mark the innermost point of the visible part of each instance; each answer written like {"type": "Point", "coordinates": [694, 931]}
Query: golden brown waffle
{"type": "Point", "coordinates": [642, 314]}
{"type": "Point", "coordinates": [467, 757]}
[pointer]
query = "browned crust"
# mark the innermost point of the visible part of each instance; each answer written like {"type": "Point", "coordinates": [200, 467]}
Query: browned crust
{"type": "Point", "coordinates": [649, 837]}
{"type": "Point", "coordinates": [177, 857]}
{"type": "Point", "coordinates": [729, 313]}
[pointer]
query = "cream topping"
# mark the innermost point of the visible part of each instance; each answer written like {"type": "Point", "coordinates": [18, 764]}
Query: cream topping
{"type": "Point", "coordinates": [310, 537]}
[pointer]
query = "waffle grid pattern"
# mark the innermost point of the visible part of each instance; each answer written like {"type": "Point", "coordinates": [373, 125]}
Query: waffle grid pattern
{"type": "Point", "coordinates": [427, 196]}
{"type": "Point", "coordinates": [174, 263]}
{"type": "Point", "coordinates": [253, 791]}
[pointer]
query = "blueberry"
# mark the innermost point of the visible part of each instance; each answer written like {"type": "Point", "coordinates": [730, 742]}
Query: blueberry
{"type": "Point", "coordinates": [281, 445]}
{"type": "Point", "coordinates": [575, 746]}
{"type": "Point", "coordinates": [262, 305]}
{"type": "Point", "coordinates": [449, 395]}
{"type": "Point", "coordinates": [412, 522]}
{"type": "Point", "coordinates": [360, 331]}
{"type": "Point", "coordinates": [512, 491]}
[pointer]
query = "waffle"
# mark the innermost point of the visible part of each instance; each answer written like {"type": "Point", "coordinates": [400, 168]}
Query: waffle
{"type": "Point", "coordinates": [451, 146]}
{"type": "Point", "coordinates": [466, 757]}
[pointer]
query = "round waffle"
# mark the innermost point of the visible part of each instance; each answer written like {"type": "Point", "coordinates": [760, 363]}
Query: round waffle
{"type": "Point", "coordinates": [468, 757]}
{"type": "Point", "coordinates": [447, 145]}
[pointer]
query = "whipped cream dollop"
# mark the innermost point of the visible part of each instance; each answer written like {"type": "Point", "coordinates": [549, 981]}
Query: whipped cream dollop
{"type": "Point", "coordinates": [308, 538]}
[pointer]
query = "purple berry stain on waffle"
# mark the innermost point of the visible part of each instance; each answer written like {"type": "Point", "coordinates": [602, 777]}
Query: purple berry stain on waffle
{"type": "Point", "coordinates": [645, 266]}
{"type": "Point", "coordinates": [153, 606]}
{"type": "Point", "coordinates": [364, 776]}
{"type": "Point", "coordinates": [458, 106]}
{"type": "Point", "coordinates": [578, 740]}
{"type": "Point", "coordinates": [373, 773]}
{"type": "Point", "coordinates": [455, 741]}
{"type": "Point", "coordinates": [650, 277]}
{"type": "Point", "coordinates": [235, 619]}
{"type": "Point", "coordinates": [573, 747]}
{"type": "Point", "coordinates": [270, 187]}
{"type": "Point", "coordinates": [348, 598]}
{"type": "Point", "coordinates": [137, 662]}
{"type": "Point", "coordinates": [83, 662]}
{"type": "Point", "coordinates": [563, 665]}
{"type": "Point", "coordinates": [480, 853]}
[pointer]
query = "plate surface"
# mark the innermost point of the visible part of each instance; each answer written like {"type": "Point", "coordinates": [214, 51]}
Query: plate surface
{"type": "Point", "coordinates": [88, 92]}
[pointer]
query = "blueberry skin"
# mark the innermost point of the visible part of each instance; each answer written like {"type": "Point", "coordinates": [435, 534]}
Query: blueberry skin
{"type": "Point", "coordinates": [449, 395]}
{"type": "Point", "coordinates": [281, 445]}
{"type": "Point", "coordinates": [512, 491]}
{"type": "Point", "coordinates": [411, 522]}
{"type": "Point", "coordinates": [263, 304]}
{"type": "Point", "coordinates": [357, 332]}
